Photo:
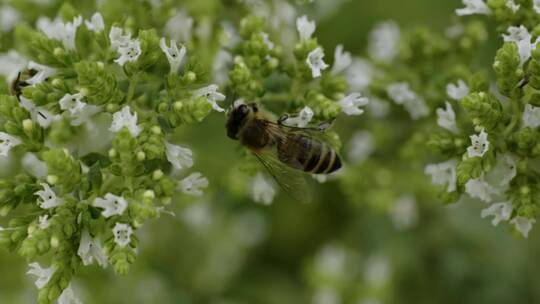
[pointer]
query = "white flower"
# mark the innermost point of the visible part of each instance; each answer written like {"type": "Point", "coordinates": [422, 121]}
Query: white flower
{"type": "Point", "coordinates": [499, 211]}
{"type": "Point", "coordinates": [96, 23]}
{"type": "Point", "coordinates": [522, 38]}
{"type": "Point", "coordinates": [68, 297]}
{"type": "Point", "coordinates": [384, 41]}
{"type": "Point", "coordinates": [122, 234]}
{"type": "Point", "coordinates": [112, 204]}
{"type": "Point", "coordinates": [212, 95]}
{"type": "Point", "coordinates": [43, 117]}
{"type": "Point", "coordinates": [231, 37]}
{"type": "Point", "coordinates": [57, 30]}
{"type": "Point", "coordinates": [479, 145]}
{"type": "Point", "coordinates": [9, 17]}
{"type": "Point", "coordinates": [129, 52]}
{"type": "Point", "coordinates": [473, 7]}
{"type": "Point", "coordinates": [400, 92]}
{"type": "Point", "coordinates": [266, 39]}
{"type": "Point", "coordinates": [43, 222]}
{"type": "Point", "coordinates": [33, 165]}
{"type": "Point", "coordinates": [117, 37]}
{"type": "Point", "coordinates": [326, 295]}
{"type": "Point", "coordinates": [478, 188]}
{"type": "Point", "coordinates": [43, 274]}
{"type": "Point", "coordinates": [509, 169]}
{"type": "Point", "coordinates": [455, 31]}
{"type": "Point", "coordinates": [417, 108]}
{"type": "Point", "coordinates": [42, 73]}
{"type": "Point", "coordinates": [536, 6]}
{"type": "Point", "coordinates": [84, 115]}
{"type": "Point", "coordinates": [303, 118]}
{"type": "Point", "coordinates": [405, 212]}
{"type": "Point", "coordinates": [7, 142]}
{"type": "Point", "coordinates": [305, 28]}
{"type": "Point", "coordinates": [458, 90]}
{"type": "Point", "coordinates": [351, 104]}
{"type": "Point", "coordinates": [531, 116]}
{"type": "Point", "coordinates": [342, 60]}
{"type": "Point", "coordinates": [124, 118]}
{"type": "Point", "coordinates": [443, 174]}
{"type": "Point", "coordinates": [179, 156]}
{"type": "Point", "coordinates": [48, 198]}
{"type": "Point", "coordinates": [72, 103]}
{"type": "Point", "coordinates": [523, 224]}
{"type": "Point", "coordinates": [378, 108]}
{"type": "Point", "coordinates": [361, 145]}
{"type": "Point", "coordinates": [174, 55]}
{"type": "Point", "coordinates": [446, 118]}
{"type": "Point", "coordinates": [512, 5]}
{"type": "Point", "coordinates": [90, 249]}
{"type": "Point", "coordinates": [359, 75]}
{"type": "Point", "coordinates": [11, 63]}
{"type": "Point", "coordinates": [315, 61]}
{"type": "Point", "coordinates": [179, 27]}
{"type": "Point", "coordinates": [192, 184]}
{"type": "Point", "coordinates": [220, 67]}
{"type": "Point", "coordinates": [262, 191]}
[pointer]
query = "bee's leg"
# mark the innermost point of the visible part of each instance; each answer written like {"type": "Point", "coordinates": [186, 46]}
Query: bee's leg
{"type": "Point", "coordinates": [282, 119]}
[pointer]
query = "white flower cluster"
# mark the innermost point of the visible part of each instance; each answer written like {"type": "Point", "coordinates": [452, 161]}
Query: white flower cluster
{"type": "Point", "coordinates": [402, 94]}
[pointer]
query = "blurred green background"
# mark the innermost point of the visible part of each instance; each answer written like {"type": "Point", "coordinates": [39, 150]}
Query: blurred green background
{"type": "Point", "coordinates": [341, 248]}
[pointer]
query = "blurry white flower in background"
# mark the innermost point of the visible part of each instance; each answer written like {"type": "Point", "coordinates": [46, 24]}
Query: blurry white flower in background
{"type": "Point", "coordinates": [523, 225]}
{"type": "Point", "coordinates": [326, 295]}
{"type": "Point", "coordinates": [179, 156]}
{"type": "Point", "coordinates": [342, 60]}
{"type": "Point", "coordinates": [479, 145]}
{"type": "Point", "coordinates": [7, 142]}
{"type": "Point", "coordinates": [180, 27]}
{"type": "Point", "coordinates": [359, 74]}
{"type": "Point", "coordinates": [9, 17]}
{"type": "Point", "coordinates": [193, 184]}
{"type": "Point", "coordinates": [117, 37]}
{"type": "Point", "coordinates": [262, 190]}
{"type": "Point", "coordinates": [531, 116]}
{"type": "Point", "coordinates": [124, 118]}
{"type": "Point", "coordinates": [377, 271]}
{"type": "Point", "coordinates": [360, 147]}
{"type": "Point", "coordinates": [384, 41]}
{"type": "Point", "coordinates": [443, 174]}
{"type": "Point", "coordinates": [315, 61]}
{"type": "Point", "coordinates": [404, 213]}
{"type": "Point", "coordinates": [231, 37]}
{"type": "Point", "coordinates": [305, 28]}
{"type": "Point", "coordinates": [250, 228]}
{"type": "Point", "coordinates": [96, 23]}
{"type": "Point", "coordinates": [499, 211]}
{"type": "Point", "coordinates": [68, 297]}
{"type": "Point", "coordinates": [479, 188]}
{"type": "Point", "coordinates": [43, 274]}
{"type": "Point", "coordinates": [512, 5]}
{"type": "Point", "coordinates": [266, 39]}
{"type": "Point", "coordinates": [473, 7]}
{"type": "Point", "coordinates": [458, 90]}
{"type": "Point", "coordinates": [43, 222]}
{"type": "Point", "coordinates": [536, 6]}
{"type": "Point", "coordinates": [331, 260]}
{"type": "Point", "coordinates": [48, 198]}
{"type": "Point", "coordinates": [446, 118]}
{"type": "Point", "coordinates": [220, 67]}
{"type": "Point", "coordinates": [111, 205]}
{"type": "Point", "coordinates": [455, 31]}
{"type": "Point", "coordinates": [11, 63]}
{"type": "Point", "coordinates": [122, 234]}
{"type": "Point", "coordinates": [400, 92]}
{"type": "Point", "coordinates": [58, 30]}
{"type": "Point", "coordinates": [198, 216]}
{"type": "Point", "coordinates": [33, 165]}
{"type": "Point", "coordinates": [378, 108]}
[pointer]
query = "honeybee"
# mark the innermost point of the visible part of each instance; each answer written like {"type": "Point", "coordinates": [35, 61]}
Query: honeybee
{"type": "Point", "coordinates": [20, 82]}
{"type": "Point", "coordinates": [286, 152]}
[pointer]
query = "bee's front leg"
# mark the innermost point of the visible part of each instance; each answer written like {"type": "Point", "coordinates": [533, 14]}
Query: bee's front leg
{"type": "Point", "coordinates": [281, 120]}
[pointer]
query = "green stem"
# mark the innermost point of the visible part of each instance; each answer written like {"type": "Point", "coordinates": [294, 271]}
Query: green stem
{"type": "Point", "coordinates": [131, 89]}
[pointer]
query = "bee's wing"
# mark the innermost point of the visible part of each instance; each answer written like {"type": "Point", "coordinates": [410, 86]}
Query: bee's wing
{"type": "Point", "coordinates": [292, 181]}
{"type": "Point", "coordinates": [319, 133]}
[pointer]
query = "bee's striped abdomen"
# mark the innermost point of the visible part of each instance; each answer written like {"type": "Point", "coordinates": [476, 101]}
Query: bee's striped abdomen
{"type": "Point", "coordinates": [309, 155]}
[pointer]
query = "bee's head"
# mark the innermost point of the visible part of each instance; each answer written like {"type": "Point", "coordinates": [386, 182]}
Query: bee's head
{"type": "Point", "coordinates": [238, 114]}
